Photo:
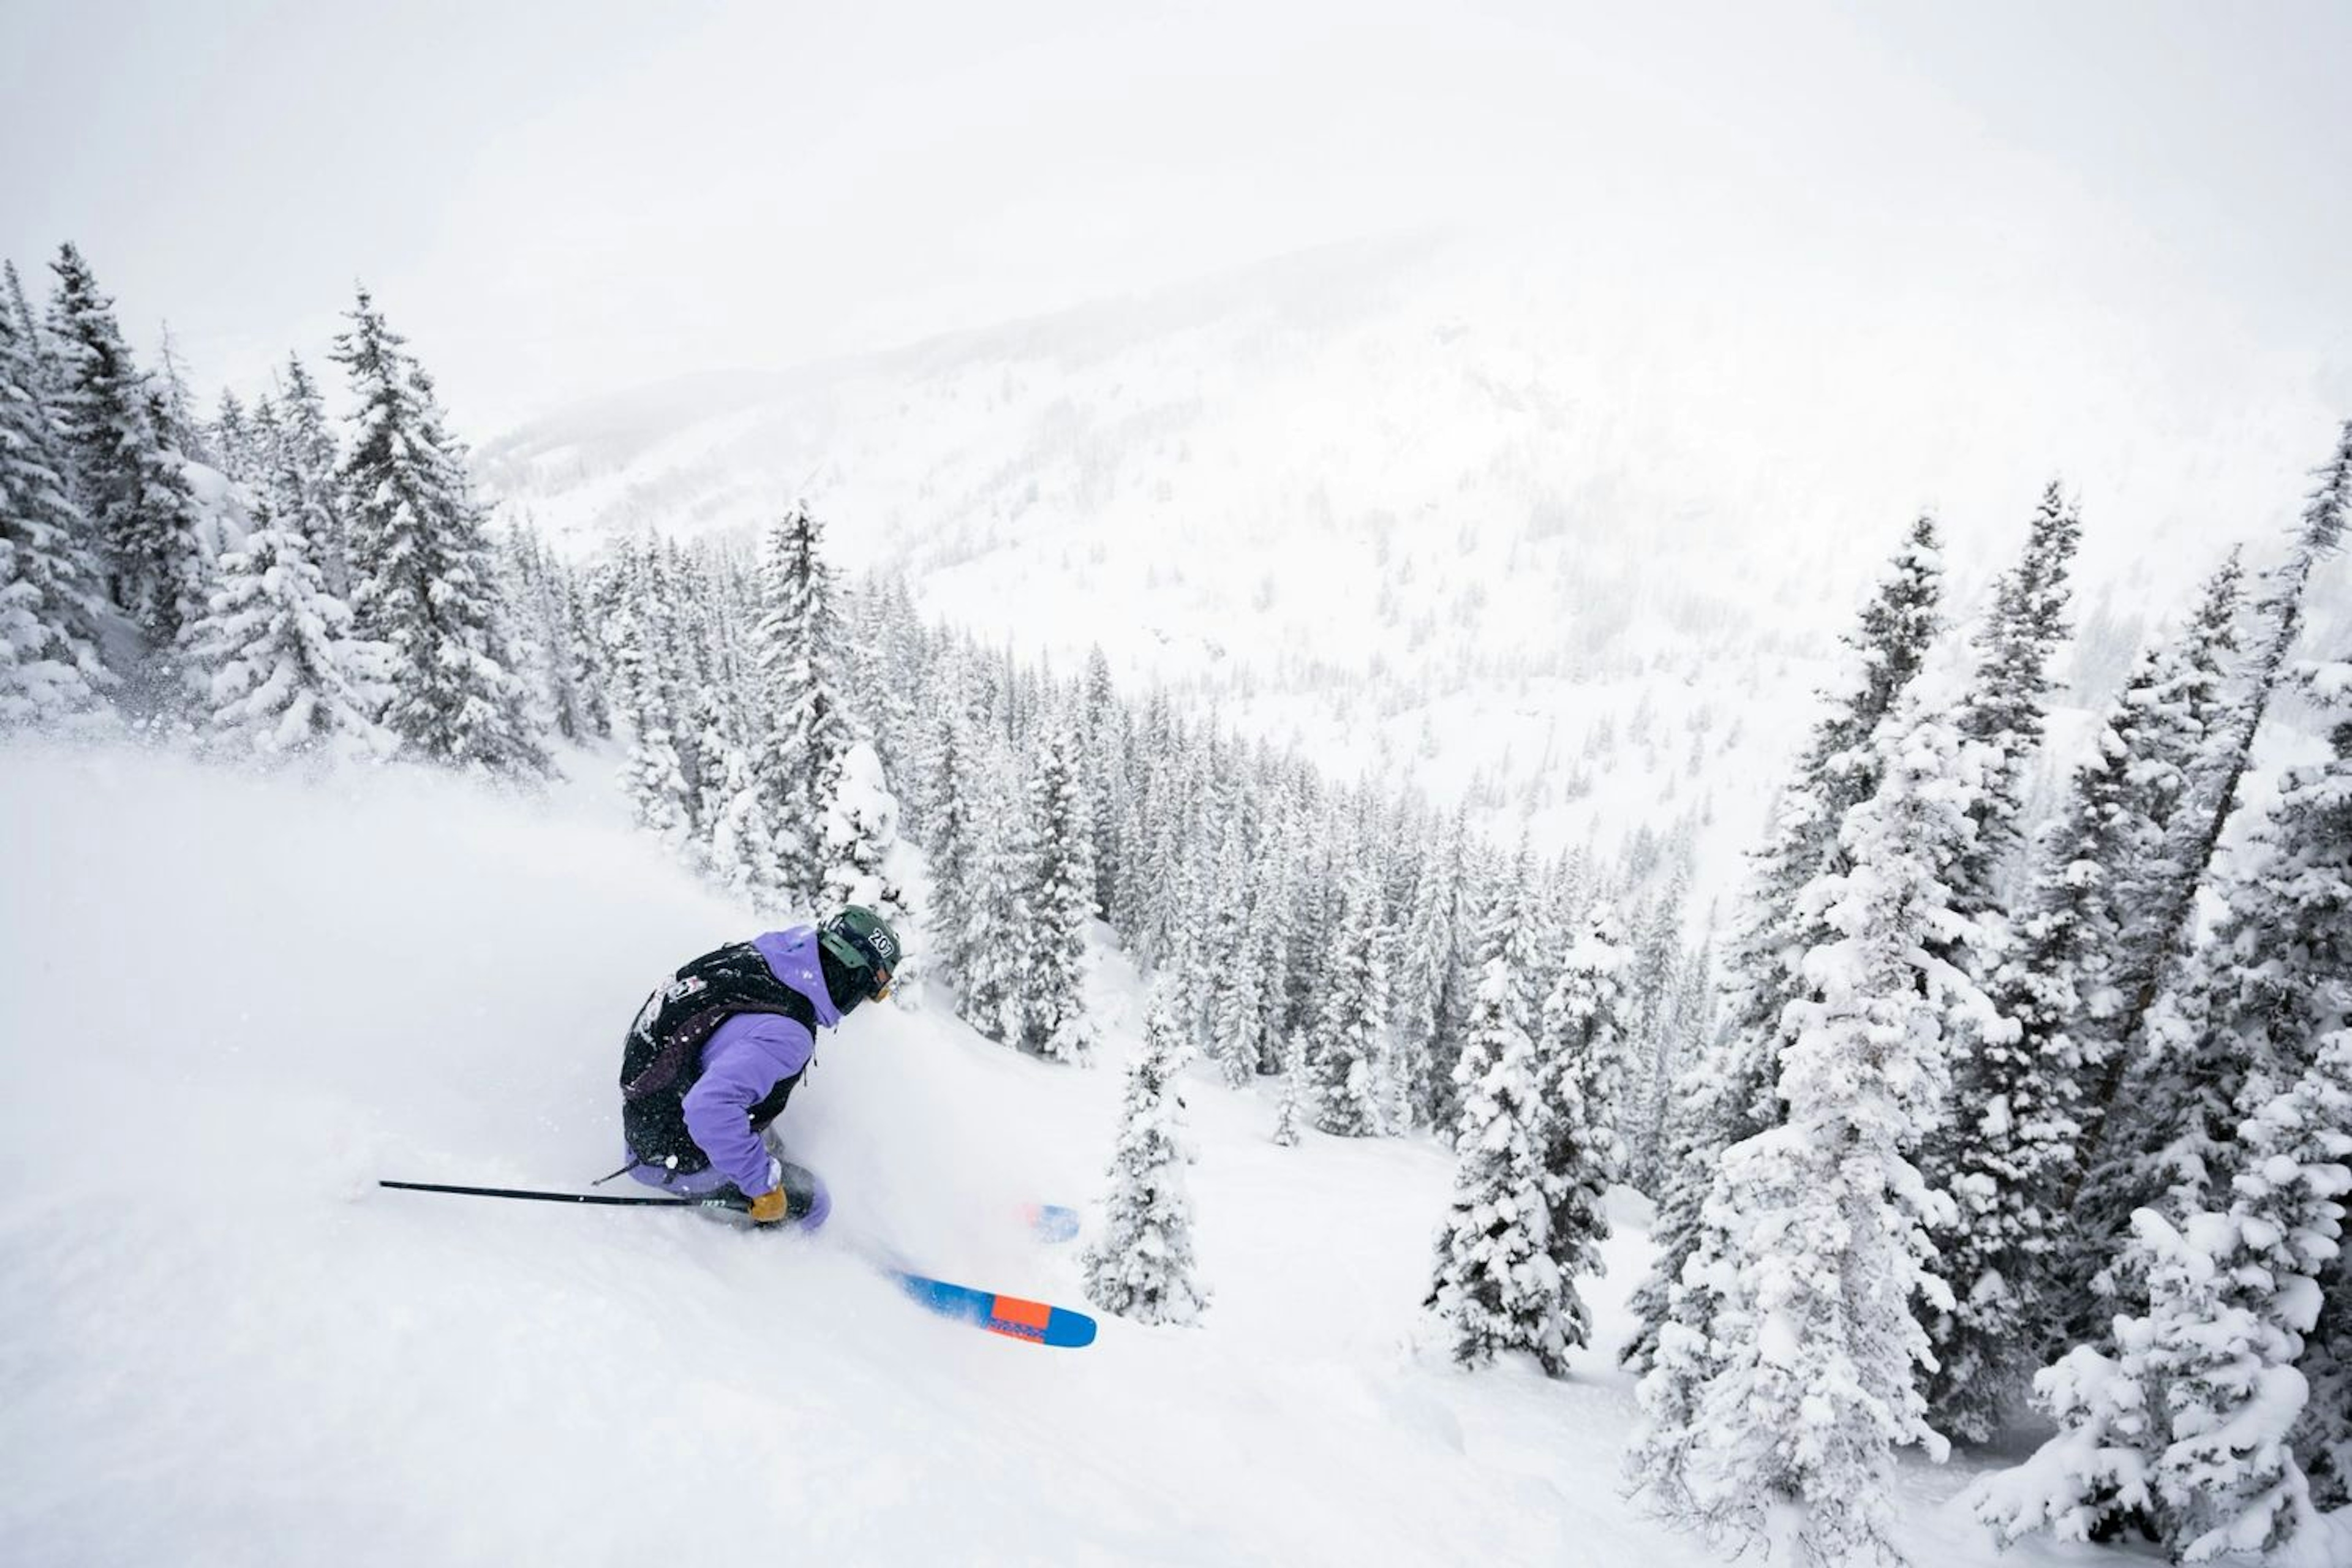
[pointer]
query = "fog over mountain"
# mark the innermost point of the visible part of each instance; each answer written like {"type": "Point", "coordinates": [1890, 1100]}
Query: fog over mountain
{"type": "Point", "coordinates": [1536, 520]}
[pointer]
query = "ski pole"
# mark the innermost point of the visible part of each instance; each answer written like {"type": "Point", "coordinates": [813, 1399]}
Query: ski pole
{"type": "Point", "coordinates": [713, 1202]}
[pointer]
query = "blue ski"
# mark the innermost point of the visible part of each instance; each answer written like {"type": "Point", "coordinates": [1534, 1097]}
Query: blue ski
{"type": "Point", "coordinates": [1014, 1317]}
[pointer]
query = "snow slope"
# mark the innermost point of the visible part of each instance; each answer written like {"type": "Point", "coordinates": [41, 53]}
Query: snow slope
{"type": "Point", "coordinates": [229, 1005]}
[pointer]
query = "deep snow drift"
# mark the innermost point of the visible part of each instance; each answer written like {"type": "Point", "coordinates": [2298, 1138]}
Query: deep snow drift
{"type": "Point", "coordinates": [229, 1004]}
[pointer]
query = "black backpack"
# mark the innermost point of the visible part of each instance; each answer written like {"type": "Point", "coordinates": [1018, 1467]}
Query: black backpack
{"type": "Point", "coordinates": [662, 1057]}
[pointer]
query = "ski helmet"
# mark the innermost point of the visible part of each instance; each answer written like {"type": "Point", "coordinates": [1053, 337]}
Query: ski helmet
{"type": "Point", "coordinates": [863, 942]}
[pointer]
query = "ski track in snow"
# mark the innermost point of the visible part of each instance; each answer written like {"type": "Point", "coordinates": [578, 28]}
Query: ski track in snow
{"type": "Point", "coordinates": [232, 1004]}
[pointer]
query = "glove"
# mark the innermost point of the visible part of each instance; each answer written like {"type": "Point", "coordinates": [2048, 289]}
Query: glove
{"type": "Point", "coordinates": [777, 1204]}
{"type": "Point", "coordinates": [768, 1206]}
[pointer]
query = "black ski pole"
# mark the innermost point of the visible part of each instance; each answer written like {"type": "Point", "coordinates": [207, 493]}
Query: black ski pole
{"type": "Point", "coordinates": [704, 1202]}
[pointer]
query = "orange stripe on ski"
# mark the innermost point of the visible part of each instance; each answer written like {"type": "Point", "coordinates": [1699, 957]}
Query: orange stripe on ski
{"type": "Point", "coordinates": [1020, 1319]}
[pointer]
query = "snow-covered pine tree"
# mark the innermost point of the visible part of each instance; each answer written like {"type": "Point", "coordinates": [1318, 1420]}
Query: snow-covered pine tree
{"type": "Point", "coordinates": [798, 648]}
{"type": "Point", "coordinates": [861, 827]}
{"type": "Point", "coordinates": [1496, 1287]}
{"type": "Point", "coordinates": [174, 410]}
{"type": "Point", "coordinates": [173, 534]}
{"type": "Point", "coordinates": [231, 440]}
{"type": "Point", "coordinates": [426, 582]}
{"type": "Point", "coordinates": [2179, 734]}
{"type": "Point", "coordinates": [49, 663]}
{"type": "Point", "coordinates": [1133, 903]}
{"type": "Point", "coordinates": [2007, 703]}
{"type": "Point", "coordinates": [2273, 986]}
{"type": "Point", "coordinates": [532, 585]}
{"type": "Point", "coordinates": [1147, 900]}
{"type": "Point", "coordinates": [650, 777]}
{"type": "Point", "coordinates": [2091, 1477]}
{"type": "Point", "coordinates": [1788, 1373]}
{"type": "Point", "coordinates": [2318, 535]}
{"type": "Point", "coordinates": [1397, 1074]}
{"type": "Point", "coordinates": [643, 689]}
{"type": "Point", "coordinates": [2272, 981]}
{"type": "Point", "coordinates": [1693, 1020]}
{"type": "Point", "coordinates": [2322, 1438]}
{"type": "Point", "coordinates": [656, 790]}
{"type": "Point", "coordinates": [278, 670]}
{"type": "Point", "coordinates": [1142, 1267]}
{"type": "Point", "coordinates": [1672, 1179]}
{"type": "Point", "coordinates": [1478, 875]}
{"type": "Point", "coordinates": [727, 631]}
{"type": "Point", "coordinates": [1346, 1047]}
{"type": "Point", "coordinates": [903, 657]}
{"type": "Point", "coordinates": [47, 381]}
{"type": "Point", "coordinates": [1105, 730]}
{"type": "Point", "coordinates": [2011, 1154]}
{"type": "Point", "coordinates": [1727, 1095]}
{"type": "Point", "coordinates": [265, 434]}
{"type": "Point", "coordinates": [1399, 1064]}
{"type": "Point", "coordinates": [924, 673]}
{"type": "Point", "coordinates": [310, 457]}
{"type": "Point", "coordinates": [1651, 992]}
{"type": "Point", "coordinates": [1168, 881]}
{"type": "Point", "coordinates": [859, 615]}
{"type": "Point", "coordinates": [1429, 978]}
{"type": "Point", "coordinates": [2014, 1115]}
{"type": "Point", "coordinates": [2193, 1424]}
{"type": "Point", "coordinates": [1409, 849]}
{"type": "Point", "coordinates": [703, 741]}
{"type": "Point", "coordinates": [1274, 927]}
{"type": "Point", "coordinates": [951, 833]}
{"type": "Point", "coordinates": [591, 663]}
{"type": "Point", "coordinates": [130, 485]}
{"type": "Point", "coordinates": [2176, 727]}
{"type": "Point", "coordinates": [1183, 956]}
{"type": "Point", "coordinates": [570, 684]}
{"type": "Point", "coordinates": [670, 695]}
{"type": "Point", "coordinates": [1580, 1058]}
{"type": "Point", "coordinates": [1508, 913]}
{"type": "Point", "coordinates": [2226, 724]}
{"type": "Point", "coordinates": [1236, 1006]}
{"type": "Point", "coordinates": [1651, 1103]}
{"type": "Point", "coordinates": [1295, 1089]}
{"type": "Point", "coordinates": [1059, 897]}
{"type": "Point", "coordinates": [741, 853]}
{"type": "Point", "coordinates": [995, 930]}
{"type": "Point", "coordinates": [2227, 1345]}
{"type": "Point", "coordinates": [519, 573]}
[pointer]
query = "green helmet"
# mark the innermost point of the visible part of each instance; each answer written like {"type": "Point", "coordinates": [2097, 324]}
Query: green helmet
{"type": "Point", "coordinates": [862, 941]}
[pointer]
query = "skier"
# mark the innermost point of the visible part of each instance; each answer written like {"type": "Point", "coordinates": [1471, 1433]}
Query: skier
{"type": "Point", "coordinates": [718, 1048]}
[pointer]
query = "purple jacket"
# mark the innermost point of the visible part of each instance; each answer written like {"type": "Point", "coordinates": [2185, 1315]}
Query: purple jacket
{"type": "Point", "coordinates": [749, 1055]}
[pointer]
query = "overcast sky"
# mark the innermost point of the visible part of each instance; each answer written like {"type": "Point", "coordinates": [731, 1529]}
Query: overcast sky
{"type": "Point", "coordinates": [562, 199]}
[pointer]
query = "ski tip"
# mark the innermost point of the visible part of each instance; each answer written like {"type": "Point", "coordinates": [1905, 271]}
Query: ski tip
{"type": "Point", "coordinates": [1068, 1328]}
